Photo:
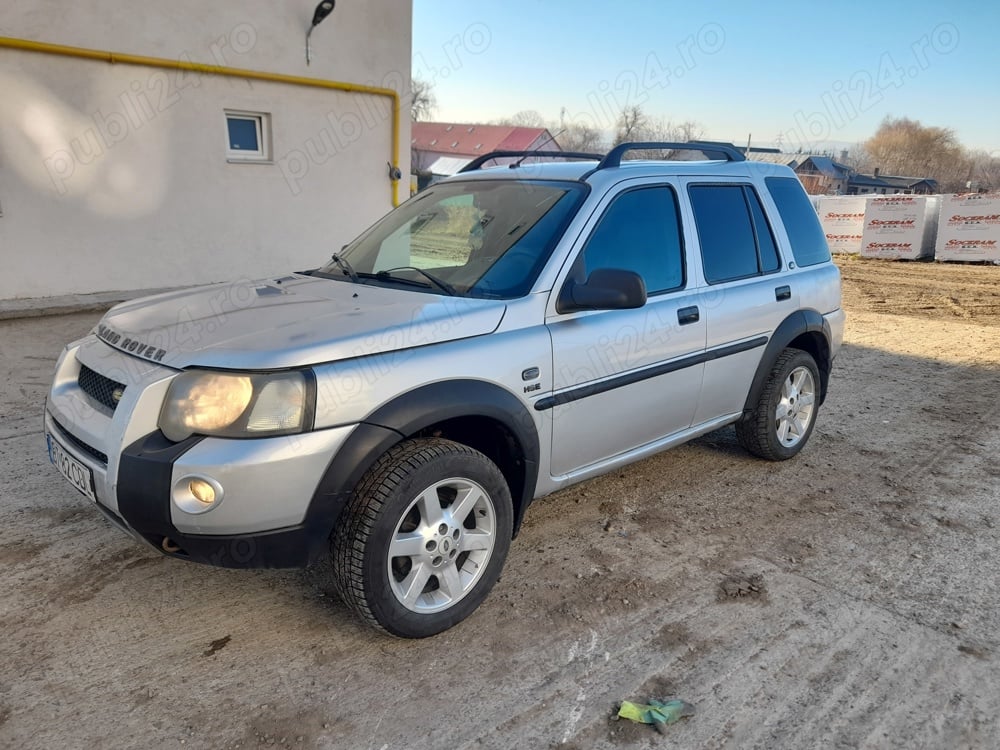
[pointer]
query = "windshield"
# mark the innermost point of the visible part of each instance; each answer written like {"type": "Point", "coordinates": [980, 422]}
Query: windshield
{"type": "Point", "coordinates": [478, 238]}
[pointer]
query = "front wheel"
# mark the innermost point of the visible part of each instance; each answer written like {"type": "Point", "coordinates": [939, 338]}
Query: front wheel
{"type": "Point", "coordinates": [424, 538]}
{"type": "Point", "coordinates": [783, 417]}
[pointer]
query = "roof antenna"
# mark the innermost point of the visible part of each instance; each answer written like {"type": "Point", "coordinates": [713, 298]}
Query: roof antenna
{"type": "Point", "coordinates": [551, 138]}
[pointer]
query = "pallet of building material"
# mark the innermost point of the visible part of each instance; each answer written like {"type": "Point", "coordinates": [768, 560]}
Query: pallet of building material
{"type": "Point", "coordinates": [900, 227]}
{"type": "Point", "coordinates": [969, 227]}
{"type": "Point", "coordinates": [843, 220]}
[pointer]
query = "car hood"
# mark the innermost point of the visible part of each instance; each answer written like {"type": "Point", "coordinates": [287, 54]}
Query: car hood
{"type": "Point", "coordinates": [289, 322]}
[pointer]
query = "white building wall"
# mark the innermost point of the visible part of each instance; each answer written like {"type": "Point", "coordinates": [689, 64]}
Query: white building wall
{"type": "Point", "coordinates": [115, 177]}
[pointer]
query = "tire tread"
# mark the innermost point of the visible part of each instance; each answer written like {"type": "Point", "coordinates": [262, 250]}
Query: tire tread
{"type": "Point", "coordinates": [350, 538]}
{"type": "Point", "coordinates": [754, 432]}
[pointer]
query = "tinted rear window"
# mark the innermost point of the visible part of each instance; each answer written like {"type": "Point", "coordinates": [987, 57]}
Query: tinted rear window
{"type": "Point", "coordinates": [728, 246]}
{"type": "Point", "coordinates": [769, 260]}
{"type": "Point", "coordinates": [801, 222]}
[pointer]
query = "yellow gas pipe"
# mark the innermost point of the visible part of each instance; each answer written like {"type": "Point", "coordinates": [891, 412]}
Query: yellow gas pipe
{"type": "Point", "coordinates": [219, 70]}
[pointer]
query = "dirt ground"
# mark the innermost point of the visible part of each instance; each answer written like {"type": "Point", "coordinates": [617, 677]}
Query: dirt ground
{"type": "Point", "coordinates": [847, 598]}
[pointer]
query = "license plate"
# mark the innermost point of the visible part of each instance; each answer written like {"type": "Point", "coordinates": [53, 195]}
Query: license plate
{"type": "Point", "coordinates": [76, 473]}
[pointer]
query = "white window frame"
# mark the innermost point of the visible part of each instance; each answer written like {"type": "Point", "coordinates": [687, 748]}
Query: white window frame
{"type": "Point", "coordinates": [262, 120]}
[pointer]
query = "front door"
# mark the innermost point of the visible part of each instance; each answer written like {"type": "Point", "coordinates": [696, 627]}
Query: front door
{"type": "Point", "coordinates": [625, 378]}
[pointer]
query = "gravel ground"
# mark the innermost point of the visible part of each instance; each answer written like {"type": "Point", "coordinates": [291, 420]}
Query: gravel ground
{"type": "Point", "coordinates": [846, 598]}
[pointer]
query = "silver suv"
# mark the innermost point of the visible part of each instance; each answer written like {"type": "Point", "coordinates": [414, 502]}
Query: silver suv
{"type": "Point", "coordinates": [504, 334]}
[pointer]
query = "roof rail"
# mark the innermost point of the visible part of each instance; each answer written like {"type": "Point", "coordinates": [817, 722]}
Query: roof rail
{"type": "Point", "coordinates": [711, 150]}
{"type": "Point", "coordinates": [480, 160]}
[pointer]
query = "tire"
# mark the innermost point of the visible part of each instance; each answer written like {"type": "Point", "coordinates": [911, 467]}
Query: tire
{"type": "Point", "coordinates": [403, 558]}
{"type": "Point", "coordinates": [784, 416]}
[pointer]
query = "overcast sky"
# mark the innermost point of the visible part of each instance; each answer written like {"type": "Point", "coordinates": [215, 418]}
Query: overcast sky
{"type": "Point", "coordinates": [801, 73]}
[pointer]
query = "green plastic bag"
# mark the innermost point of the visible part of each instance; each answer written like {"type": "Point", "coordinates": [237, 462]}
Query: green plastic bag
{"type": "Point", "coordinates": [657, 713]}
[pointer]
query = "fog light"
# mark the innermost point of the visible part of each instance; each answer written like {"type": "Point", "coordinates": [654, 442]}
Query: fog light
{"type": "Point", "coordinates": [203, 492]}
{"type": "Point", "coordinates": [197, 494]}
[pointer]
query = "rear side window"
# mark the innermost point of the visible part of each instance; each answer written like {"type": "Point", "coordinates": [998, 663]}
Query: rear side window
{"type": "Point", "coordinates": [640, 232]}
{"type": "Point", "coordinates": [736, 241]}
{"type": "Point", "coordinates": [769, 260]}
{"type": "Point", "coordinates": [801, 222]}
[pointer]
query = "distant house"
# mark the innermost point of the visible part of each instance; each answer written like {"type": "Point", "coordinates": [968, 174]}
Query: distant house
{"type": "Point", "coordinates": [441, 149]}
{"type": "Point", "coordinates": [882, 184]}
{"type": "Point", "coordinates": [819, 175]}
{"type": "Point", "coordinates": [822, 175]}
{"type": "Point", "coordinates": [786, 160]}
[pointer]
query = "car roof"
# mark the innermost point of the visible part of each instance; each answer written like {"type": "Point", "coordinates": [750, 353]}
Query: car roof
{"type": "Point", "coordinates": [587, 171]}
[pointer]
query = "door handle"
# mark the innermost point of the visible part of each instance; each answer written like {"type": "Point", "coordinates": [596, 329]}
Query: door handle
{"type": "Point", "coordinates": [687, 315]}
{"type": "Point", "coordinates": [783, 292]}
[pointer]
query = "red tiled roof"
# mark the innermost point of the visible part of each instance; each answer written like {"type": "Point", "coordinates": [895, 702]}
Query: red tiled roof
{"type": "Point", "coordinates": [466, 139]}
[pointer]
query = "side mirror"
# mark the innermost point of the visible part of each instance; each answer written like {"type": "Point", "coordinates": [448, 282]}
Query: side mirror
{"type": "Point", "coordinates": [604, 289]}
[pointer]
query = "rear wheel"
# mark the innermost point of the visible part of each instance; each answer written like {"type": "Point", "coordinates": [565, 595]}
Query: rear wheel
{"type": "Point", "coordinates": [783, 418]}
{"type": "Point", "coordinates": [424, 538]}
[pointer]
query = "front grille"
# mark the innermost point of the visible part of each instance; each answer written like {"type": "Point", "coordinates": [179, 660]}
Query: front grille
{"type": "Point", "coordinates": [103, 390]}
{"type": "Point", "coordinates": [73, 440]}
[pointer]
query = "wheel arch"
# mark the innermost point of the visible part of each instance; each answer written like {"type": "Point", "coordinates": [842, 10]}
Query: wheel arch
{"type": "Point", "coordinates": [807, 330]}
{"type": "Point", "coordinates": [476, 413]}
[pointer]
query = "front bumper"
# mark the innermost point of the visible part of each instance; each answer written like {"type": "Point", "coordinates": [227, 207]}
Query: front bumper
{"type": "Point", "coordinates": [266, 516]}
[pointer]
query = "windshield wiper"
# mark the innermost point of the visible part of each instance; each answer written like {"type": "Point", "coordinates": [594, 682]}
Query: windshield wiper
{"type": "Point", "coordinates": [346, 267]}
{"type": "Point", "coordinates": [443, 285]}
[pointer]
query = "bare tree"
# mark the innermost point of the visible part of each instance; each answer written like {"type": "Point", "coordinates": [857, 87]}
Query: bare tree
{"type": "Point", "coordinates": [578, 136]}
{"type": "Point", "coordinates": [422, 105]}
{"type": "Point", "coordinates": [636, 125]}
{"type": "Point", "coordinates": [632, 123]}
{"type": "Point", "coordinates": [902, 146]}
{"type": "Point", "coordinates": [526, 118]}
{"type": "Point", "coordinates": [422, 100]}
{"type": "Point", "coordinates": [689, 130]}
{"type": "Point", "coordinates": [857, 158]}
{"type": "Point", "coordinates": [569, 136]}
{"type": "Point", "coordinates": [984, 172]}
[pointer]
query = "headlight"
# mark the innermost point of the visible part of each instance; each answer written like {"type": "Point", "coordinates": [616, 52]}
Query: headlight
{"type": "Point", "coordinates": [227, 404]}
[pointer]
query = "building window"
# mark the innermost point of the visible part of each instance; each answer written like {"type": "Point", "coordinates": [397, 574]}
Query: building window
{"type": "Point", "coordinates": [248, 136]}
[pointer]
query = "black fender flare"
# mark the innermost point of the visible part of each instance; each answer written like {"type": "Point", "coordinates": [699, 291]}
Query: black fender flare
{"type": "Point", "coordinates": [407, 415]}
{"type": "Point", "coordinates": [796, 324]}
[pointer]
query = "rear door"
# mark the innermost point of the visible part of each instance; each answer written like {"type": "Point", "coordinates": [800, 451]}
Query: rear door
{"type": "Point", "coordinates": [625, 378]}
{"type": "Point", "coordinates": [746, 294]}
